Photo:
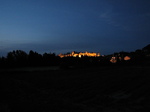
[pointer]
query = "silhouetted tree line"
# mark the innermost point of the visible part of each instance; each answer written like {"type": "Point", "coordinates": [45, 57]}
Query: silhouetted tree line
{"type": "Point", "coordinates": [20, 58]}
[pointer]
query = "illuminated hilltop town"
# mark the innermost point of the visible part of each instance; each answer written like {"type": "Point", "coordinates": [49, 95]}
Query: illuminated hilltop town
{"type": "Point", "coordinates": [80, 54]}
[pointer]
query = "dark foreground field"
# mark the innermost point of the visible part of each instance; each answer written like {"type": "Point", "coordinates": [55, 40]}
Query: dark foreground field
{"type": "Point", "coordinates": [101, 89]}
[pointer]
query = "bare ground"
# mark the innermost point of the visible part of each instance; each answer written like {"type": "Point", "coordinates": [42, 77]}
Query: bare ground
{"type": "Point", "coordinates": [99, 89]}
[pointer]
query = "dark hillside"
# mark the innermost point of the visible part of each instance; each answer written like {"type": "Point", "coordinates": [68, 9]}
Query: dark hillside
{"type": "Point", "coordinates": [147, 47]}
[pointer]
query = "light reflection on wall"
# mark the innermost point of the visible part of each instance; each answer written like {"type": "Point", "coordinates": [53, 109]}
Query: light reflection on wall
{"type": "Point", "coordinates": [113, 60]}
{"type": "Point", "coordinates": [127, 58]}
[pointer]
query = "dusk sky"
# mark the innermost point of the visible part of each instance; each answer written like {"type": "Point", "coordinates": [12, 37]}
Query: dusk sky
{"type": "Point", "coordinates": [60, 26]}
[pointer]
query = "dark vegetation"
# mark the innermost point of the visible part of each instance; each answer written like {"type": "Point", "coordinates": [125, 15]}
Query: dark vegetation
{"type": "Point", "coordinates": [20, 58]}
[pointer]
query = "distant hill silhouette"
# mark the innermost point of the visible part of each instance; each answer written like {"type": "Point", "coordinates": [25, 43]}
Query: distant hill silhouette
{"type": "Point", "coordinates": [146, 48]}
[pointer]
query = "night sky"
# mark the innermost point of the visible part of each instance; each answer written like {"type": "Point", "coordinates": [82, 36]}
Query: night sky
{"type": "Point", "coordinates": [60, 26]}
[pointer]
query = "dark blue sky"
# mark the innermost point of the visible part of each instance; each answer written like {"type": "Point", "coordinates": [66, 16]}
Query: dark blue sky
{"type": "Point", "coordinates": [61, 26]}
